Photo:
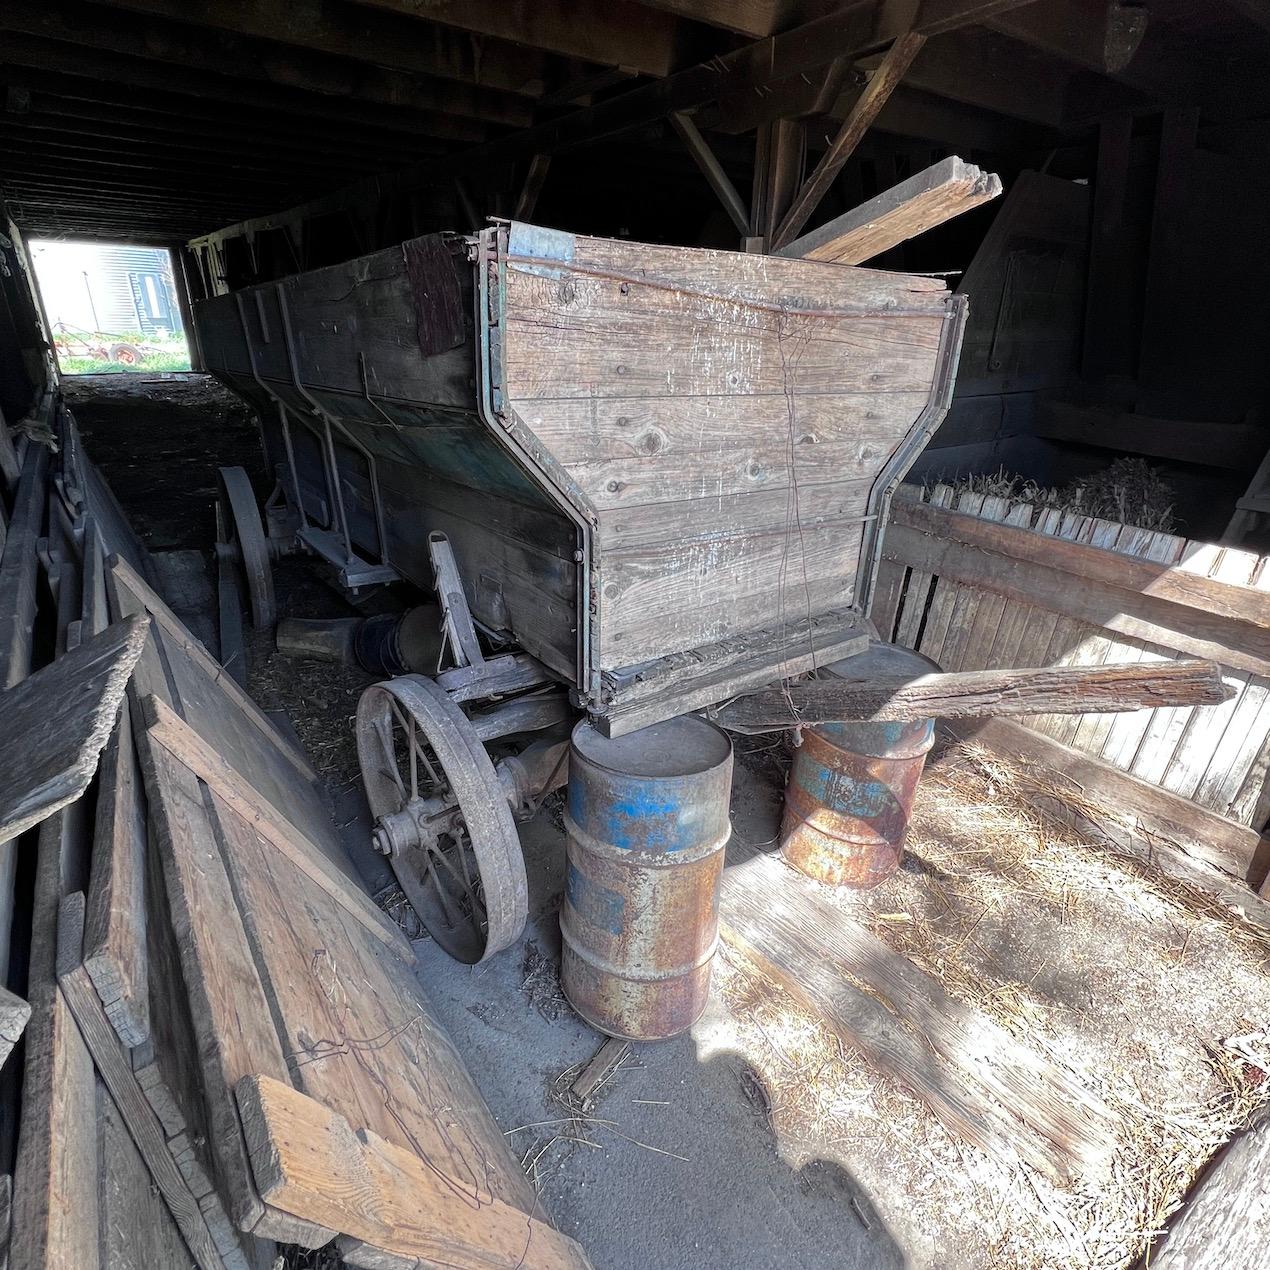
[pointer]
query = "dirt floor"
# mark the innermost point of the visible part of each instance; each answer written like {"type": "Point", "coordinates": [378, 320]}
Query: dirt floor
{"type": "Point", "coordinates": [759, 1139]}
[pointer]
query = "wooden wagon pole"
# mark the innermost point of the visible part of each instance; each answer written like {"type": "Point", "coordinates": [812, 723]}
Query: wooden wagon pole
{"type": "Point", "coordinates": [979, 693]}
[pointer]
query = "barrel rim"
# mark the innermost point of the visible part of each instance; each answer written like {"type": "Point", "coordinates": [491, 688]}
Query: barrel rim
{"type": "Point", "coordinates": [587, 730]}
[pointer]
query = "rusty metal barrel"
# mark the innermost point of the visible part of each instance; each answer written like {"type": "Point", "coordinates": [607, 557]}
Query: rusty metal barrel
{"type": "Point", "coordinates": [851, 785]}
{"type": "Point", "coordinates": [647, 821]}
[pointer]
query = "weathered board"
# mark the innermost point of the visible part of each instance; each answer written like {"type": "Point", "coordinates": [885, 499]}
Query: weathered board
{"type": "Point", "coordinates": [57, 722]}
{"type": "Point", "coordinates": [314, 1164]}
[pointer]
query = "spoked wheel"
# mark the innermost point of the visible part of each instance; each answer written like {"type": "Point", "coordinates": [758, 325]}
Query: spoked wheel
{"type": "Point", "coordinates": [442, 817]}
{"type": "Point", "coordinates": [240, 537]}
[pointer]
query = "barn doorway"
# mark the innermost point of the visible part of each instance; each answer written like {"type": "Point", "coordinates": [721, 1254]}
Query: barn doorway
{"type": "Point", "coordinates": [111, 307]}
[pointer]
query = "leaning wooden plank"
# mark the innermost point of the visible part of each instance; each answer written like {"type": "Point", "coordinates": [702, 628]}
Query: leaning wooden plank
{"type": "Point", "coordinates": [18, 568]}
{"type": "Point", "coordinates": [228, 1008]}
{"type": "Point", "coordinates": [56, 724]}
{"type": "Point", "coordinates": [208, 1015]}
{"type": "Point", "coordinates": [14, 1013]}
{"type": "Point", "coordinates": [946, 189]}
{"type": "Point", "coordinates": [136, 1229]}
{"type": "Point", "coordinates": [309, 1161]}
{"type": "Point", "coordinates": [982, 1085]}
{"type": "Point", "coordinates": [1150, 810]}
{"type": "Point", "coordinates": [330, 985]}
{"type": "Point", "coordinates": [136, 595]}
{"type": "Point", "coordinates": [1233, 446]}
{"type": "Point", "coordinates": [185, 744]}
{"type": "Point", "coordinates": [115, 922]}
{"type": "Point", "coordinates": [10, 469]}
{"type": "Point", "coordinates": [978, 693]}
{"type": "Point", "coordinates": [116, 1071]}
{"type": "Point", "coordinates": [55, 1177]}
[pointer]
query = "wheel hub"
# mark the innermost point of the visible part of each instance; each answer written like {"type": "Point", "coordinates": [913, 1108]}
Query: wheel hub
{"type": "Point", "coordinates": [419, 824]}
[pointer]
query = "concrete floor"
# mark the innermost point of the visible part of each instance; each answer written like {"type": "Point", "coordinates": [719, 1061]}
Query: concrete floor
{"type": "Point", "coordinates": [682, 1168]}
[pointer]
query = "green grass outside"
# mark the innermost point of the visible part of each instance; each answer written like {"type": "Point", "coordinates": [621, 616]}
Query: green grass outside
{"type": "Point", "coordinates": [152, 362]}
{"type": "Point", "coordinates": [171, 353]}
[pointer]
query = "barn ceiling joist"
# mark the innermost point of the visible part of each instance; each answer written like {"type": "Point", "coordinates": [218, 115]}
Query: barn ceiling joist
{"type": "Point", "coordinates": [162, 120]}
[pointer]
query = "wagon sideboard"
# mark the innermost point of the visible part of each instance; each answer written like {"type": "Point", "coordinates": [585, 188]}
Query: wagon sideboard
{"type": "Point", "coordinates": [644, 456]}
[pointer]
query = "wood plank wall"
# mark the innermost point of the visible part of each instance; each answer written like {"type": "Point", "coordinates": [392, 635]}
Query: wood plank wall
{"type": "Point", "coordinates": [1218, 757]}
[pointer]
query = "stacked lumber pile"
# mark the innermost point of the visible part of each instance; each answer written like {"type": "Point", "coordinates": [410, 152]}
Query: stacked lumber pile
{"type": "Point", "coordinates": [227, 1046]}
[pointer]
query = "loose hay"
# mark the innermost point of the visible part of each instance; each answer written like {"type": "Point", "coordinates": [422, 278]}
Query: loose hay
{"type": "Point", "coordinates": [1152, 992]}
{"type": "Point", "coordinates": [1130, 491]}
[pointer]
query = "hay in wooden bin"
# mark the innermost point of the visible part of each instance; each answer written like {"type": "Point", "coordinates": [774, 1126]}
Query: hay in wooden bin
{"type": "Point", "coordinates": [1151, 993]}
{"type": "Point", "coordinates": [1129, 491]}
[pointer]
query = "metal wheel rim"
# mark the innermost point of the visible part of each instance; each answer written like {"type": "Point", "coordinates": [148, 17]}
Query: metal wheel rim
{"type": "Point", "coordinates": [491, 831]}
{"type": "Point", "coordinates": [244, 529]}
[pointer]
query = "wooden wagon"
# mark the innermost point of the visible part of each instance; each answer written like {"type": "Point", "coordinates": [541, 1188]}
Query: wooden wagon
{"type": "Point", "coordinates": [641, 478]}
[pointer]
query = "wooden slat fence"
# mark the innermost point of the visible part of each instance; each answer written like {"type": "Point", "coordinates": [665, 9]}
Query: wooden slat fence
{"type": "Point", "coordinates": [974, 596]}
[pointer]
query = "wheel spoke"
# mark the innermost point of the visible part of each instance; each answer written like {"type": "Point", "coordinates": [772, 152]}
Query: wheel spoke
{"type": "Point", "coordinates": [442, 894]}
{"type": "Point", "coordinates": [414, 766]}
{"type": "Point", "coordinates": [383, 730]}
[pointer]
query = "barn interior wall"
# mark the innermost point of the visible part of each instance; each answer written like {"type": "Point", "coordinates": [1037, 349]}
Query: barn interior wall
{"type": "Point", "coordinates": [25, 366]}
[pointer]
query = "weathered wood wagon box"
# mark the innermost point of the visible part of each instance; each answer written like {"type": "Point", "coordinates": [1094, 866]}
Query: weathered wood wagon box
{"type": "Point", "coordinates": [650, 476]}
{"type": "Point", "coordinates": [660, 469]}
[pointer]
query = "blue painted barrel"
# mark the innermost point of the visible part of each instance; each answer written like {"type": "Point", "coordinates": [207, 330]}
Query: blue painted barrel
{"type": "Point", "coordinates": [851, 786]}
{"type": "Point", "coordinates": [647, 821]}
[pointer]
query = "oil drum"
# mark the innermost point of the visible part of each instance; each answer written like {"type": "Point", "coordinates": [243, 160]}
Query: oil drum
{"type": "Point", "coordinates": [647, 822]}
{"type": "Point", "coordinates": [851, 785]}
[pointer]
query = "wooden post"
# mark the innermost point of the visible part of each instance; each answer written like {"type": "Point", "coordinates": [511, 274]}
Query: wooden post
{"type": "Point", "coordinates": [1160, 324]}
{"type": "Point", "coordinates": [534, 181]}
{"type": "Point", "coordinates": [778, 159]}
{"type": "Point", "coordinates": [712, 170]}
{"type": "Point", "coordinates": [1102, 312]}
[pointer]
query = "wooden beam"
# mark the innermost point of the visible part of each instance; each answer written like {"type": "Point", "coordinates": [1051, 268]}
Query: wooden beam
{"type": "Point", "coordinates": [92, 38]}
{"type": "Point", "coordinates": [57, 723]}
{"type": "Point", "coordinates": [1063, 586]}
{"type": "Point", "coordinates": [1236, 447]}
{"type": "Point", "coordinates": [929, 198]}
{"type": "Point", "coordinates": [852, 32]}
{"type": "Point", "coordinates": [377, 38]}
{"type": "Point", "coordinates": [1164, 331]}
{"type": "Point", "coordinates": [1227, 601]}
{"type": "Point", "coordinates": [1103, 689]}
{"type": "Point", "coordinates": [310, 1162]}
{"type": "Point", "coordinates": [1102, 36]}
{"type": "Point", "coordinates": [1225, 1221]}
{"type": "Point", "coordinates": [717, 179]}
{"type": "Point", "coordinates": [535, 178]}
{"type": "Point", "coordinates": [611, 32]}
{"type": "Point", "coordinates": [779, 148]}
{"type": "Point", "coordinates": [898, 59]}
{"type": "Point", "coordinates": [980, 1083]}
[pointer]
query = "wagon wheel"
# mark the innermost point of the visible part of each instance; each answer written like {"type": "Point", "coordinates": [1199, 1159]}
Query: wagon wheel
{"type": "Point", "coordinates": [240, 535]}
{"type": "Point", "coordinates": [441, 816]}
